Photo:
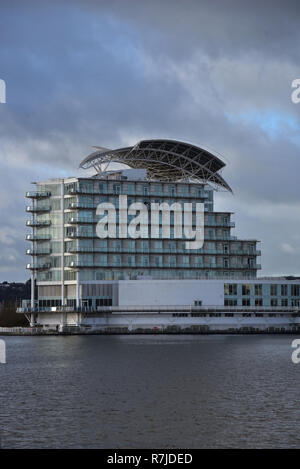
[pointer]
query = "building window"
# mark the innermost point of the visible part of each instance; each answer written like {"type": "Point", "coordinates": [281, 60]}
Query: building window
{"type": "Point", "coordinates": [230, 289]}
{"type": "Point", "coordinates": [131, 260]}
{"type": "Point", "coordinates": [284, 301]}
{"type": "Point", "coordinates": [225, 248]}
{"type": "Point", "coordinates": [258, 302]}
{"type": "Point", "coordinates": [258, 289]}
{"type": "Point", "coordinates": [246, 289]}
{"type": "Point", "coordinates": [295, 290]}
{"type": "Point", "coordinates": [284, 290]}
{"type": "Point", "coordinates": [117, 189]}
{"type": "Point", "coordinates": [198, 303]}
{"type": "Point", "coordinates": [104, 302]}
{"type": "Point", "coordinates": [246, 301]}
{"type": "Point", "coordinates": [274, 302]}
{"type": "Point", "coordinates": [295, 303]}
{"type": "Point", "coordinates": [230, 302]}
{"type": "Point", "coordinates": [102, 188]}
{"type": "Point", "coordinates": [185, 260]}
{"type": "Point", "coordinates": [273, 290]}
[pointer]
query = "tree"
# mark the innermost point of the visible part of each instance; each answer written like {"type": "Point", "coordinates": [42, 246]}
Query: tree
{"type": "Point", "coordinates": [10, 318]}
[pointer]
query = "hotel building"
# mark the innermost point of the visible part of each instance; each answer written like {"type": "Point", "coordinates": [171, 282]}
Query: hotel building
{"type": "Point", "coordinates": [121, 283]}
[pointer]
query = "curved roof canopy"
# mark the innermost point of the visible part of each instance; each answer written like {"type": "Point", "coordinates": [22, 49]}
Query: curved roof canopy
{"type": "Point", "coordinates": [164, 160]}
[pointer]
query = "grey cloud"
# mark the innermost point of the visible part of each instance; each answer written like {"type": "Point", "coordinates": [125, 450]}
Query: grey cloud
{"type": "Point", "coordinates": [88, 73]}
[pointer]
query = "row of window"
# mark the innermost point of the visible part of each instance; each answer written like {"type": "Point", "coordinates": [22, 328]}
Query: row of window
{"type": "Point", "coordinates": [132, 188]}
{"type": "Point", "coordinates": [48, 303]}
{"type": "Point", "coordinates": [228, 315]}
{"type": "Point", "coordinates": [142, 260]}
{"type": "Point", "coordinates": [261, 302]}
{"type": "Point", "coordinates": [231, 289]}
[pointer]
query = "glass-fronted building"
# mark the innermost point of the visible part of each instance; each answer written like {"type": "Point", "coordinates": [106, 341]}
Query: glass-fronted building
{"type": "Point", "coordinates": [75, 268]}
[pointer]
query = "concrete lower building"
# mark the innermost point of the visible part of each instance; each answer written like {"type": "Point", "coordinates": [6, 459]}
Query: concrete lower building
{"type": "Point", "coordinates": [260, 305]}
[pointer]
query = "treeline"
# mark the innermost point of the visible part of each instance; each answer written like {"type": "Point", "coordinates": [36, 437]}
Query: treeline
{"type": "Point", "coordinates": [11, 295]}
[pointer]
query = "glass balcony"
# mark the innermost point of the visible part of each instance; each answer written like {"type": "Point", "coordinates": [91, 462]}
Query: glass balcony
{"type": "Point", "coordinates": [82, 205]}
{"type": "Point", "coordinates": [44, 208]}
{"type": "Point", "coordinates": [81, 234]}
{"type": "Point", "coordinates": [37, 194]}
{"type": "Point", "coordinates": [77, 264]}
{"type": "Point", "coordinates": [240, 252]}
{"type": "Point", "coordinates": [78, 220]}
{"type": "Point", "coordinates": [136, 193]}
{"type": "Point", "coordinates": [38, 266]}
{"type": "Point", "coordinates": [37, 237]}
{"type": "Point", "coordinates": [38, 252]}
{"type": "Point", "coordinates": [38, 222]}
{"type": "Point", "coordinates": [229, 224]}
{"type": "Point", "coordinates": [82, 190]}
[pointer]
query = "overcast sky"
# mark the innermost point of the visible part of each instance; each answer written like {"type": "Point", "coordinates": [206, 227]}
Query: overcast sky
{"type": "Point", "coordinates": [109, 73]}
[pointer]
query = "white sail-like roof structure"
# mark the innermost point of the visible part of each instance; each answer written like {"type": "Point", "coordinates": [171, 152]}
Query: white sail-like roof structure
{"type": "Point", "coordinates": [164, 160]}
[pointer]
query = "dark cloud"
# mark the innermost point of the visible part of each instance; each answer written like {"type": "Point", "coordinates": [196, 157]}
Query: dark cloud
{"type": "Point", "coordinates": [218, 74]}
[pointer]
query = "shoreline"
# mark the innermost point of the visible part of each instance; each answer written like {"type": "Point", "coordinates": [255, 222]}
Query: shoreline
{"type": "Point", "coordinates": [30, 333]}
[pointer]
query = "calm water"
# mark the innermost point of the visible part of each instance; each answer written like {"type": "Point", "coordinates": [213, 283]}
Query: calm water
{"type": "Point", "coordinates": [149, 391]}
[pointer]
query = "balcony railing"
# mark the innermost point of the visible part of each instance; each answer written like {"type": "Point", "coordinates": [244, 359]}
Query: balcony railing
{"type": "Point", "coordinates": [160, 265]}
{"type": "Point", "coordinates": [229, 224]}
{"type": "Point", "coordinates": [37, 194]}
{"type": "Point", "coordinates": [38, 222]}
{"type": "Point", "coordinates": [42, 208]}
{"type": "Point", "coordinates": [81, 220]}
{"type": "Point", "coordinates": [38, 252]}
{"type": "Point", "coordinates": [140, 193]}
{"type": "Point", "coordinates": [151, 250]}
{"type": "Point", "coordinates": [36, 237]}
{"type": "Point", "coordinates": [293, 310]}
{"type": "Point", "coordinates": [38, 266]}
{"type": "Point", "coordinates": [78, 234]}
{"type": "Point", "coordinates": [81, 205]}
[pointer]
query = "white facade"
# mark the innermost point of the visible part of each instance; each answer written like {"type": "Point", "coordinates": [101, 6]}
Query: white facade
{"type": "Point", "coordinates": [170, 292]}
